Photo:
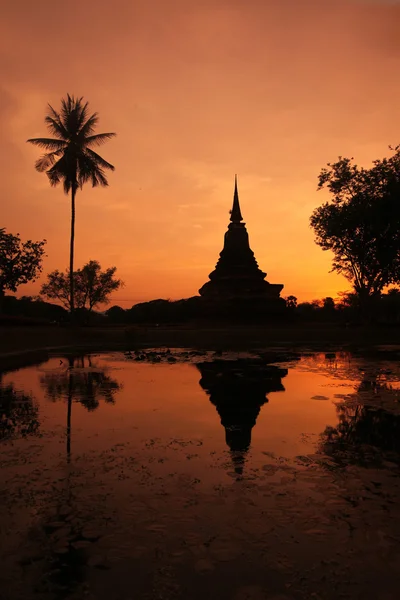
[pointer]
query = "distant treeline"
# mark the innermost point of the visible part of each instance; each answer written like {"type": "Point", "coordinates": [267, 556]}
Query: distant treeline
{"type": "Point", "coordinates": [346, 310]}
{"type": "Point", "coordinates": [31, 309]}
{"type": "Point", "coordinates": [384, 309]}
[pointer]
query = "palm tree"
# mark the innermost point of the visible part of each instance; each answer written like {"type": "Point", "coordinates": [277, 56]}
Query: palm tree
{"type": "Point", "coordinates": [70, 159]}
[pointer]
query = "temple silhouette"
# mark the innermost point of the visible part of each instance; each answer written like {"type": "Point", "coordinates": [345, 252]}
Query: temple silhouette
{"type": "Point", "coordinates": [237, 279]}
{"type": "Point", "coordinates": [238, 389]}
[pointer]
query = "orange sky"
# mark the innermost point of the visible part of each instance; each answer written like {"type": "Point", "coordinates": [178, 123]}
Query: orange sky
{"type": "Point", "coordinates": [197, 90]}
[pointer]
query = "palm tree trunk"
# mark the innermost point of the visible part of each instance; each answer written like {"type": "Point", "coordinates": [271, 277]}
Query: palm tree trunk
{"type": "Point", "coordinates": [71, 256]}
{"type": "Point", "coordinates": [69, 411]}
{"type": "Point", "coordinates": [69, 406]}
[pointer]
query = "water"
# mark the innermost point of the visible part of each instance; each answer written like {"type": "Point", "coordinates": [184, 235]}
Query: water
{"type": "Point", "coordinates": [189, 475]}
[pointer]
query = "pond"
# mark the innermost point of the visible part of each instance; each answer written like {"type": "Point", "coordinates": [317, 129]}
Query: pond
{"type": "Point", "coordinates": [174, 474]}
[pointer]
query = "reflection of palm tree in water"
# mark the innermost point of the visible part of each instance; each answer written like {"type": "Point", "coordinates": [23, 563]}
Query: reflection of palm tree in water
{"type": "Point", "coordinates": [87, 383]}
{"type": "Point", "coordinates": [82, 382]}
{"type": "Point", "coordinates": [366, 433]}
{"type": "Point", "coordinates": [238, 389]}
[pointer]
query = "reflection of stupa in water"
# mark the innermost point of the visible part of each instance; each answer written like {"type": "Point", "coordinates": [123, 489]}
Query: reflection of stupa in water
{"type": "Point", "coordinates": [238, 389]}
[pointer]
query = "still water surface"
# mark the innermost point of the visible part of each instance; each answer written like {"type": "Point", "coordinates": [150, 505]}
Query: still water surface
{"type": "Point", "coordinates": [201, 475]}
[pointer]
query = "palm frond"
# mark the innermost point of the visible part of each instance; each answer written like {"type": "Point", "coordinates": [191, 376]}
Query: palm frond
{"type": "Point", "coordinates": [71, 123]}
{"type": "Point", "coordinates": [56, 128]}
{"type": "Point", "coordinates": [52, 113]}
{"type": "Point", "coordinates": [99, 161]}
{"type": "Point", "coordinates": [68, 105]}
{"type": "Point", "coordinates": [83, 114]}
{"type": "Point", "coordinates": [89, 126]}
{"type": "Point", "coordinates": [99, 178]}
{"type": "Point", "coordinates": [63, 171]}
{"type": "Point", "coordinates": [54, 124]}
{"type": "Point", "coordinates": [85, 168]}
{"type": "Point", "coordinates": [47, 160]}
{"type": "Point", "coordinates": [99, 139]}
{"type": "Point", "coordinates": [54, 177]}
{"type": "Point", "coordinates": [88, 170]}
{"type": "Point", "coordinates": [48, 143]}
{"type": "Point", "coordinates": [70, 111]}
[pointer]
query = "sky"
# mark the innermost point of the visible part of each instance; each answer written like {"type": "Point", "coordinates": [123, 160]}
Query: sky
{"type": "Point", "coordinates": [196, 90]}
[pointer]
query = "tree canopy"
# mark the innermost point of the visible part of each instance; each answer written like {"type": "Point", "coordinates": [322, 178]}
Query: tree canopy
{"type": "Point", "coordinates": [20, 262]}
{"type": "Point", "coordinates": [291, 302]}
{"type": "Point", "coordinates": [361, 222]}
{"type": "Point", "coordinates": [92, 286]}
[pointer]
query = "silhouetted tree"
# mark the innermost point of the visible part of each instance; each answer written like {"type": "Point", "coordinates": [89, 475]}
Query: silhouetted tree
{"type": "Point", "coordinates": [116, 314]}
{"type": "Point", "coordinates": [328, 308]}
{"type": "Point", "coordinates": [306, 310]}
{"type": "Point", "coordinates": [390, 303]}
{"type": "Point", "coordinates": [361, 224]}
{"type": "Point", "coordinates": [96, 284]}
{"type": "Point", "coordinates": [328, 304]}
{"type": "Point", "coordinates": [348, 300]}
{"type": "Point", "coordinates": [92, 286]}
{"type": "Point", "coordinates": [291, 302]}
{"type": "Point", "coordinates": [20, 262]}
{"type": "Point", "coordinates": [70, 158]}
{"type": "Point", "coordinates": [58, 287]}
{"type": "Point", "coordinates": [318, 310]}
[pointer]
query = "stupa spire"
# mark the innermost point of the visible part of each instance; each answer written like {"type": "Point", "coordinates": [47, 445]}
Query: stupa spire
{"type": "Point", "coordinates": [236, 215]}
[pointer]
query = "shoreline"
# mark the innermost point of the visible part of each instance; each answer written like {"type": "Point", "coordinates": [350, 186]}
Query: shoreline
{"type": "Point", "coordinates": [22, 346]}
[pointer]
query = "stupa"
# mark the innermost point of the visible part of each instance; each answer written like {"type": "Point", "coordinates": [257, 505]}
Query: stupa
{"type": "Point", "coordinates": [237, 276]}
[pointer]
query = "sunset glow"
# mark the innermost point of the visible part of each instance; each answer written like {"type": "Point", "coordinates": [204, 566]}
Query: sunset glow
{"type": "Point", "coordinates": [196, 91]}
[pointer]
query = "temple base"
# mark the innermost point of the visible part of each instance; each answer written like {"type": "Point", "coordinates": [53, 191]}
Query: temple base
{"type": "Point", "coordinates": [244, 310]}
